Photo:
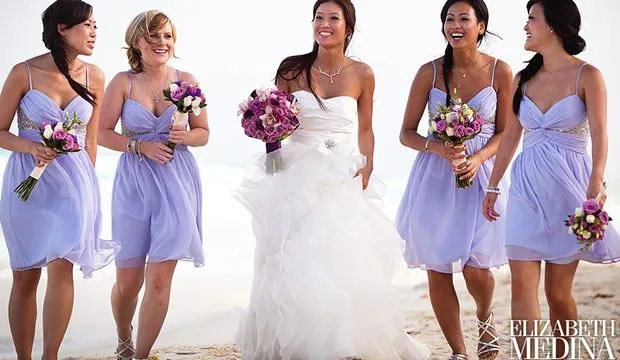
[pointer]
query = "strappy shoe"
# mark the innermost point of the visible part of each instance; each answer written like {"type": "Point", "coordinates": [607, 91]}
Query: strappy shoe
{"type": "Point", "coordinates": [488, 350]}
{"type": "Point", "coordinates": [125, 347]}
{"type": "Point", "coordinates": [457, 357]}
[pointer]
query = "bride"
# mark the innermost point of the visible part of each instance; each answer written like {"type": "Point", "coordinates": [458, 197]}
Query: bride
{"type": "Point", "coordinates": [325, 254]}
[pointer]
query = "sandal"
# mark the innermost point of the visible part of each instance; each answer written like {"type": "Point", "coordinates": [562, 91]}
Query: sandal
{"type": "Point", "coordinates": [125, 347]}
{"type": "Point", "coordinates": [457, 357]}
{"type": "Point", "coordinates": [488, 350]}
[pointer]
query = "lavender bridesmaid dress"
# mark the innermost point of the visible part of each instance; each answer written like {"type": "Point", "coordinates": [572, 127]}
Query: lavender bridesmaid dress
{"type": "Point", "coordinates": [62, 217]}
{"type": "Point", "coordinates": [156, 209]}
{"type": "Point", "coordinates": [549, 180]}
{"type": "Point", "coordinates": [442, 225]}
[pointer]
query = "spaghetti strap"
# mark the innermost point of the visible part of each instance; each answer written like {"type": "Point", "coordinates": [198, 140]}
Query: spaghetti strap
{"type": "Point", "coordinates": [87, 88]}
{"type": "Point", "coordinates": [129, 86]}
{"type": "Point", "coordinates": [434, 72]}
{"type": "Point", "coordinates": [178, 75]}
{"type": "Point", "coordinates": [578, 76]}
{"type": "Point", "coordinates": [493, 73]}
{"type": "Point", "coordinates": [29, 75]}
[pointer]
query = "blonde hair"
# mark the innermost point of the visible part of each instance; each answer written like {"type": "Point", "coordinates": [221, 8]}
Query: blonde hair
{"type": "Point", "coordinates": [141, 27]}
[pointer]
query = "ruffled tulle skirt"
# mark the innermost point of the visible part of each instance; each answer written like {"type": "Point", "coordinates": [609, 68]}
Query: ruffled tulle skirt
{"type": "Point", "coordinates": [325, 257]}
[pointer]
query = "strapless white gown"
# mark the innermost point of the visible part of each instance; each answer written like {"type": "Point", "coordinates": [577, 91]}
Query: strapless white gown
{"type": "Point", "coordinates": [325, 253]}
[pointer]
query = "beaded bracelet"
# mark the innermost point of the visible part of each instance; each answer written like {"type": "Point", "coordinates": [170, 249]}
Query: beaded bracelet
{"type": "Point", "coordinates": [493, 190]}
{"type": "Point", "coordinates": [138, 150]}
{"type": "Point", "coordinates": [131, 146]}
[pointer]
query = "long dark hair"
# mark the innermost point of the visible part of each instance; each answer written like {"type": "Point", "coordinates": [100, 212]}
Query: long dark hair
{"type": "Point", "coordinates": [564, 18]}
{"type": "Point", "coordinates": [68, 13]}
{"type": "Point", "coordinates": [293, 66]}
{"type": "Point", "coordinates": [482, 14]}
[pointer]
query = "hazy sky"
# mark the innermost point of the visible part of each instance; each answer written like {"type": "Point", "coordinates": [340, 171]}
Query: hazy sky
{"type": "Point", "coordinates": [235, 46]}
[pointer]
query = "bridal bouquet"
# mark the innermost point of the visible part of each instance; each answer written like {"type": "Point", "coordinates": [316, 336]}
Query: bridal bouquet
{"type": "Point", "coordinates": [60, 136]}
{"type": "Point", "coordinates": [455, 125]}
{"type": "Point", "coordinates": [186, 97]}
{"type": "Point", "coordinates": [588, 223]}
{"type": "Point", "coordinates": [270, 115]}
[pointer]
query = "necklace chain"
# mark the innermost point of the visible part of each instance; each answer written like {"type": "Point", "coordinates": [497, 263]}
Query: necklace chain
{"type": "Point", "coordinates": [463, 73]}
{"type": "Point", "coordinates": [331, 76]}
{"type": "Point", "coordinates": [459, 85]}
{"type": "Point", "coordinates": [156, 97]}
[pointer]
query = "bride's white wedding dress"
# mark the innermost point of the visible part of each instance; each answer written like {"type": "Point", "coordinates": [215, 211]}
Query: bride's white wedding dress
{"type": "Point", "coordinates": [325, 253]}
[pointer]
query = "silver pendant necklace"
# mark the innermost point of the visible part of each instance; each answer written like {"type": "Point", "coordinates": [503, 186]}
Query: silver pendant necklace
{"type": "Point", "coordinates": [331, 76]}
{"type": "Point", "coordinates": [156, 97]}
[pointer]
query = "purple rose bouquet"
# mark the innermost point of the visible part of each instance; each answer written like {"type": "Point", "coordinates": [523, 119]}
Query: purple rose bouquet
{"type": "Point", "coordinates": [270, 115]}
{"type": "Point", "coordinates": [186, 97]}
{"type": "Point", "coordinates": [455, 125]}
{"type": "Point", "coordinates": [60, 136]}
{"type": "Point", "coordinates": [588, 223]}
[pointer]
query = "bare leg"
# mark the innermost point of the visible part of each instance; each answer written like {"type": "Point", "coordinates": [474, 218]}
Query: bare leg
{"type": "Point", "coordinates": [154, 305]}
{"type": "Point", "coordinates": [481, 284]}
{"type": "Point", "coordinates": [559, 292]}
{"type": "Point", "coordinates": [525, 277]}
{"type": "Point", "coordinates": [23, 311]}
{"type": "Point", "coordinates": [124, 302]}
{"type": "Point", "coordinates": [57, 306]}
{"type": "Point", "coordinates": [446, 307]}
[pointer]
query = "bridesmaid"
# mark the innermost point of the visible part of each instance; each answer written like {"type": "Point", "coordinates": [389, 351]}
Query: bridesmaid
{"type": "Point", "coordinates": [156, 201]}
{"type": "Point", "coordinates": [59, 225]}
{"type": "Point", "coordinates": [559, 101]}
{"type": "Point", "coordinates": [440, 222]}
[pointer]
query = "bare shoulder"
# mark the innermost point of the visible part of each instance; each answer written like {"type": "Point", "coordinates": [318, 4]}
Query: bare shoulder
{"type": "Point", "coordinates": [19, 72]}
{"type": "Point", "coordinates": [121, 79]}
{"type": "Point", "coordinates": [503, 77]}
{"type": "Point", "coordinates": [362, 70]}
{"type": "Point", "coordinates": [18, 78]}
{"type": "Point", "coordinates": [187, 76]}
{"type": "Point", "coordinates": [290, 77]}
{"type": "Point", "coordinates": [39, 62]}
{"type": "Point", "coordinates": [95, 75]}
{"type": "Point", "coordinates": [288, 74]}
{"type": "Point", "coordinates": [364, 73]}
{"type": "Point", "coordinates": [427, 71]}
{"type": "Point", "coordinates": [516, 80]}
{"type": "Point", "coordinates": [502, 69]}
{"type": "Point", "coordinates": [590, 74]}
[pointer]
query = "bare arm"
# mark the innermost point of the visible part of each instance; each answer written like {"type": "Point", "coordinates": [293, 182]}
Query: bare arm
{"type": "Point", "coordinates": [504, 109]}
{"type": "Point", "coordinates": [503, 81]}
{"type": "Point", "coordinates": [365, 134]}
{"type": "Point", "coordinates": [506, 150]}
{"type": "Point", "coordinates": [510, 141]}
{"type": "Point", "coordinates": [15, 86]}
{"type": "Point", "coordinates": [416, 106]}
{"type": "Point", "coordinates": [97, 84]}
{"type": "Point", "coordinates": [596, 103]}
{"type": "Point", "coordinates": [111, 108]}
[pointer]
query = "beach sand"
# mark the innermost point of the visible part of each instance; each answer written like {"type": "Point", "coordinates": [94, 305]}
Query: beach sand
{"type": "Point", "coordinates": [596, 290]}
